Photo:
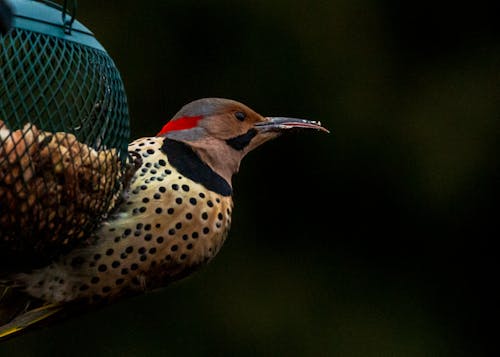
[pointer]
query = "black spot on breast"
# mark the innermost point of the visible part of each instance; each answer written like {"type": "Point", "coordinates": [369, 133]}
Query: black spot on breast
{"type": "Point", "coordinates": [119, 281]}
{"type": "Point", "coordinates": [102, 268]}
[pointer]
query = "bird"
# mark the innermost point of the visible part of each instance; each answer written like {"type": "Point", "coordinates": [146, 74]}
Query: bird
{"type": "Point", "coordinates": [173, 218]}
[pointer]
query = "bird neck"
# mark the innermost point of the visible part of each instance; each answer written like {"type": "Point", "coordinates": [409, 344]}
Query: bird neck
{"type": "Point", "coordinates": [189, 164]}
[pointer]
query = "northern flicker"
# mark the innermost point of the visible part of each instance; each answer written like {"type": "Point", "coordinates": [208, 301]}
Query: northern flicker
{"type": "Point", "coordinates": [174, 218]}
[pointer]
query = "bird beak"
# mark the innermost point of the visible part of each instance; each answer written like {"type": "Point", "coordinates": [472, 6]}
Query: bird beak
{"type": "Point", "coordinates": [280, 124]}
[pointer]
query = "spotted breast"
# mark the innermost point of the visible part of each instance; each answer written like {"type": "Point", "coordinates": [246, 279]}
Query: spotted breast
{"type": "Point", "coordinates": [168, 227]}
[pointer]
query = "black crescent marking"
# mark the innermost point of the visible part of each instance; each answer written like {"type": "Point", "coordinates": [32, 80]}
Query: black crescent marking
{"type": "Point", "coordinates": [185, 160]}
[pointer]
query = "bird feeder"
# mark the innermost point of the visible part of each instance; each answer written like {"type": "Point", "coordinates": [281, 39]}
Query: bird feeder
{"type": "Point", "coordinates": [64, 130]}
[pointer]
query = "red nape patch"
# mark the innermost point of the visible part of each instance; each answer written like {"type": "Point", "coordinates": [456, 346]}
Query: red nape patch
{"type": "Point", "coordinates": [180, 124]}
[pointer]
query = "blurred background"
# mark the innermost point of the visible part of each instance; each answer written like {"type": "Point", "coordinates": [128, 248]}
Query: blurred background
{"type": "Point", "coordinates": [374, 240]}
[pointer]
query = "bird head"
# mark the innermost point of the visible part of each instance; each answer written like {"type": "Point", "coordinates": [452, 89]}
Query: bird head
{"type": "Point", "coordinates": [222, 131]}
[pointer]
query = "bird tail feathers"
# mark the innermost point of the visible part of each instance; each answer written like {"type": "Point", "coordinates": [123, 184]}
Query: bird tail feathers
{"type": "Point", "coordinates": [17, 312]}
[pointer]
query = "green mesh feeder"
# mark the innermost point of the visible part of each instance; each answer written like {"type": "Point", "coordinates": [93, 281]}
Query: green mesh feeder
{"type": "Point", "coordinates": [64, 130]}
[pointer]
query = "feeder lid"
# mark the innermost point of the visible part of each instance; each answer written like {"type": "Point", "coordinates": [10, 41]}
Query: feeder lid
{"type": "Point", "coordinates": [52, 19]}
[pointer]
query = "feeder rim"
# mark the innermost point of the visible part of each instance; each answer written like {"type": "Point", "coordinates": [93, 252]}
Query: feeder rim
{"type": "Point", "coordinates": [46, 17]}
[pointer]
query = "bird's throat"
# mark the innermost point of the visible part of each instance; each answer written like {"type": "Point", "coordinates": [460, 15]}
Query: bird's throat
{"type": "Point", "coordinates": [185, 160]}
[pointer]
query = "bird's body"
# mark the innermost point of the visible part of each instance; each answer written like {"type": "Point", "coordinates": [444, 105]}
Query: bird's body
{"type": "Point", "coordinates": [168, 226]}
{"type": "Point", "coordinates": [174, 217]}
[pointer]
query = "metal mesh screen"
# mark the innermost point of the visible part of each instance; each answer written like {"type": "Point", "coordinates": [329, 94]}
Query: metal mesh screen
{"type": "Point", "coordinates": [63, 142]}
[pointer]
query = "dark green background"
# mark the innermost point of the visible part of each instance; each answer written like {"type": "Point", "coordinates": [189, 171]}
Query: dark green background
{"type": "Point", "coordinates": [375, 240]}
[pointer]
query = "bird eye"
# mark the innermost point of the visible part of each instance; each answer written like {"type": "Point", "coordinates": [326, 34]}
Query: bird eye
{"type": "Point", "coordinates": [240, 116]}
